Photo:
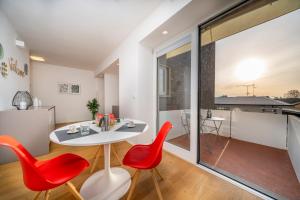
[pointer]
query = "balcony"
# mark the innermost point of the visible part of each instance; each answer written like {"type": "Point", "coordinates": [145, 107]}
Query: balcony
{"type": "Point", "coordinates": [263, 151]}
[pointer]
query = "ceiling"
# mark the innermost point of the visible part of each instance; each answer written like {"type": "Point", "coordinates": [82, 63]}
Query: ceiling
{"type": "Point", "coordinates": [192, 14]}
{"type": "Point", "coordinates": [75, 33]}
{"type": "Point", "coordinates": [111, 69]}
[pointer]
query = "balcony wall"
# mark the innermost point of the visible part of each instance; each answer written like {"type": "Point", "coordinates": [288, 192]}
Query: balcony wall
{"type": "Point", "coordinates": [294, 143]}
{"type": "Point", "coordinates": [174, 116]}
{"type": "Point", "coordinates": [262, 128]}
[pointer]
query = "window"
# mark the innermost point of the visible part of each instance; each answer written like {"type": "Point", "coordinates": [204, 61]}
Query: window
{"type": "Point", "coordinates": [164, 79]}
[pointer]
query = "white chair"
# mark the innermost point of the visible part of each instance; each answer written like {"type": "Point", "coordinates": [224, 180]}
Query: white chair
{"type": "Point", "coordinates": [185, 121]}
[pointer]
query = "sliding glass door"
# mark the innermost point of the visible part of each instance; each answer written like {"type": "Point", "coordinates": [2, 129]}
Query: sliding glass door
{"type": "Point", "coordinates": [174, 91]}
{"type": "Point", "coordinates": [249, 92]}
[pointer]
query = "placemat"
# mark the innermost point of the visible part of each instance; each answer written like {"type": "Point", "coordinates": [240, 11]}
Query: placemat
{"type": "Point", "coordinates": [63, 135]}
{"type": "Point", "coordinates": [137, 128]}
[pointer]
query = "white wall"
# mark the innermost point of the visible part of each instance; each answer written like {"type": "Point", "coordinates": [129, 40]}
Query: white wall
{"type": "Point", "coordinates": [294, 143]}
{"type": "Point", "coordinates": [69, 108]}
{"type": "Point", "coordinates": [12, 83]}
{"type": "Point", "coordinates": [174, 116]}
{"type": "Point", "coordinates": [145, 88]}
{"type": "Point", "coordinates": [261, 128]}
{"type": "Point", "coordinates": [111, 90]}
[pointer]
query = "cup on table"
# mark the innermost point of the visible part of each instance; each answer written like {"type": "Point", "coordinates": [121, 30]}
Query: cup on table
{"type": "Point", "coordinates": [130, 124]}
{"type": "Point", "coordinates": [84, 129]}
{"type": "Point", "coordinates": [72, 128]}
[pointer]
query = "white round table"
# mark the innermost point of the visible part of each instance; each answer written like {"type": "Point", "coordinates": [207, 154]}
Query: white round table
{"type": "Point", "coordinates": [214, 120]}
{"type": "Point", "coordinates": [109, 183]}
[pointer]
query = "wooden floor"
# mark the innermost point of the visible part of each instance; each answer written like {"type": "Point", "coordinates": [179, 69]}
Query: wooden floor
{"type": "Point", "coordinates": [266, 167]}
{"type": "Point", "coordinates": [182, 180]}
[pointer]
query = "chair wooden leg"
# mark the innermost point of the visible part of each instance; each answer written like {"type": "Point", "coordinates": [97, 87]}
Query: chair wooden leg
{"type": "Point", "coordinates": [134, 181]}
{"type": "Point", "coordinates": [96, 159]}
{"type": "Point", "coordinates": [116, 154]}
{"type": "Point", "coordinates": [134, 174]}
{"type": "Point", "coordinates": [37, 195]}
{"type": "Point", "coordinates": [47, 195]}
{"type": "Point", "coordinates": [73, 190]}
{"type": "Point", "coordinates": [158, 174]}
{"type": "Point", "coordinates": [156, 185]}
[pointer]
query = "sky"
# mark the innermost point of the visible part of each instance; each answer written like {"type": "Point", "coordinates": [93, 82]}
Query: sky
{"type": "Point", "coordinates": [267, 55]}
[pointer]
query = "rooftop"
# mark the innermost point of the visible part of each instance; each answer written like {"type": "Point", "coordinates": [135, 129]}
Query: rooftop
{"type": "Point", "coordinates": [250, 100]}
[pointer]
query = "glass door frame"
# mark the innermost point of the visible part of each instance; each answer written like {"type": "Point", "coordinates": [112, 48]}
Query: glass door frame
{"type": "Point", "coordinates": [220, 172]}
{"type": "Point", "coordinates": [191, 37]}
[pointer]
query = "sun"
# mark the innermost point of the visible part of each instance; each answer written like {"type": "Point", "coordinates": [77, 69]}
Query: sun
{"type": "Point", "coordinates": [250, 69]}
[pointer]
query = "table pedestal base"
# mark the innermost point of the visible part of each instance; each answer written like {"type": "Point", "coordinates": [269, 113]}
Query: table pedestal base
{"type": "Point", "coordinates": [112, 185]}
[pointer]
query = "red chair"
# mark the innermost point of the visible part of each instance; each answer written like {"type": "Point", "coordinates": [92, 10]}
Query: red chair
{"type": "Point", "coordinates": [98, 152]}
{"type": "Point", "coordinates": [45, 175]}
{"type": "Point", "coordinates": [147, 157]}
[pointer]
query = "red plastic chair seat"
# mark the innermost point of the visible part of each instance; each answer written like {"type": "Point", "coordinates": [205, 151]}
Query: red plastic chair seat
{"type": "Point", "coordinates": [138, 157]}
{"type": "Point", "coordinates": [147, 156]}
{"type": "Point", "coordinates": [61, 169]}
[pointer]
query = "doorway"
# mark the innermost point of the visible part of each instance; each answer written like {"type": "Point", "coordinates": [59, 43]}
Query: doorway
{"type": "Point", "coordinates": [174, 91]}
{"type": "Point", "coordinates": [111, 89]}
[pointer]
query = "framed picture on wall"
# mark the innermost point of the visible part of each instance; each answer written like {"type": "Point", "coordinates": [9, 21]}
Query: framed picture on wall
{"type": "Point", "coordinates": [63, 88]}
{"type": "Point", "coordinates": [69, 88]}
{"type": "Point", "coordinates": [74, 89]}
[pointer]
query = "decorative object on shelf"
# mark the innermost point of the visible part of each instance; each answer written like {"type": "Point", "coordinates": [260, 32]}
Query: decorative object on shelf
{"type": "Point", "coordinates": [26, 69]}
{"type": "Point", "coordinates": [4, 69]}
{"type": "Point", "coordinates": [22, 100]}
{"type": "Point", "coordinates": [1, 52]}
{"type": "Point", "coordinates": [93, 107]}
{"type": "Point", "coordinates": [13, 65]}
{"type": "Point", "coordinates": [74, 88]}
{"type": "Point", "coordinates": [40, 103]}
{"type": "Point", "coordinates": [35, 102]}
